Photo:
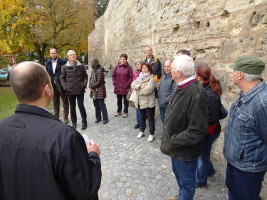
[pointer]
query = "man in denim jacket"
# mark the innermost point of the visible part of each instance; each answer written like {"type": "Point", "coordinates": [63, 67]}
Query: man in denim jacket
{"type": "Point", "coordinates": [245, 141]}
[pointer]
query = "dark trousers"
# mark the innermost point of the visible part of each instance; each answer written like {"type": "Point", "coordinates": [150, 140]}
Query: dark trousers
{"type": "Point", "coordinates": [100, 107]}
{"type": "Point", "coordinates": [148, 113]}
{"type": "Point", "coordinates": [243, 185]}
{"type": "Point", "coordinates": [80, 99]}
{"type": "Point", "coordinates": [56, 102]}
{"type": "Point", "coordinates": [119, 103]}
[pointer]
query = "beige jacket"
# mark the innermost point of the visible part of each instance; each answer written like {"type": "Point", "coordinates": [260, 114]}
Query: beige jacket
{"type": "Point", "coordinates": [144, 97]}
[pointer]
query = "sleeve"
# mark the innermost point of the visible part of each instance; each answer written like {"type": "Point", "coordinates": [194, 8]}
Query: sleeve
{"type": "Point", "coordinates": [213, 105]}
{"type": "Point", "coordinates": [85, 76]}
{"type": "Point", "coordinates": [135, 85]}
{"type": "Point", "coordinates": [100, 79]}
{"type": "Point", "coordinates": [169, 97]}
{"type": "Point", "coordinates": [159, 71]}
{"type": "Point", "coordinates": [130, 79]}
{"type": "Point", "coordinates": [114, 75]}
{"type": "Point", "coordinates": [197, 117]}
{"type": "Point", "coordinates": [63, 77]}
{"type": "Point", "coordinates": [261, 124]}
{"type": "Point", "coordinates": [79, 172]}
{"type": "Point", "coordinates": [150, 87]}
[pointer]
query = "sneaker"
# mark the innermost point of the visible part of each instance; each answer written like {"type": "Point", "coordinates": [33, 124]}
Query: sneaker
{"type": "Point", "coordinates": [150, 138]}
{"type": "Point", "coordinates": [125, 115]}
{"type": "Point", "coordinates": [117, 114]}
{"type": "Point", "coordinates": [136, 126]}
{"type": "Point", "coordinates": [140, 135]}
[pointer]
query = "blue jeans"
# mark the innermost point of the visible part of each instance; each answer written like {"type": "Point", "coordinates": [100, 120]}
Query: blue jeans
{"type": "Point", "coordinates": [137, 116]}
{"type": "Point", "coordinates": [243, 185]}
{"type": "Point", "coordinates": [185, 176]}
{"type": "Point", "coordinates": [162, 111]}
{"type": "Point", "coordinates": [204, 165]}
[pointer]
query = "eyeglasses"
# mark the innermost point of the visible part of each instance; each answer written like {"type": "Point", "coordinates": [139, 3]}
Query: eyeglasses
{"type": "Point", "coordinates": [72, 55]}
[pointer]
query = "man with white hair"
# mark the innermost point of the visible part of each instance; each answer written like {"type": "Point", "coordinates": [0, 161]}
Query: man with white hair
{"type": "Point", "coordinates": [185, 125]}
{"type": "Point", "coordinates": [74, 80]}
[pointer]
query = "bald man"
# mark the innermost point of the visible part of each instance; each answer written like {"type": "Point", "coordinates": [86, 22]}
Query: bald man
{"type": "Point", "coordinates": [41, 157]}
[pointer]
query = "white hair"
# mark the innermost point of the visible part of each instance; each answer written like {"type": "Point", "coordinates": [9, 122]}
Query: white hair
{"type": "Point", "coordinates": [185, 64]}
{"type": "Point", "coordinates": [250, 77]}
{"type": "Point", "coordinates": [70, 51]}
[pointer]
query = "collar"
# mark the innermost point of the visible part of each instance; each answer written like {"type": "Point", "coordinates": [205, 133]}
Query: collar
{"type": "Point", "coordinates": [69, 63]}
{"type": "Point", "coordinates": [186, 82]}
{"type": "Point", "coordinates": [54, 60]}
{"type": "Point", "coordinates": [251, 93]}
{"type": "Point", "coordinates": [24, 108]}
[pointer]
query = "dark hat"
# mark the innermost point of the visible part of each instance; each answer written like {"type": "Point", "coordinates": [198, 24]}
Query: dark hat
{"type": "Point", "coordinates": [249, 65]}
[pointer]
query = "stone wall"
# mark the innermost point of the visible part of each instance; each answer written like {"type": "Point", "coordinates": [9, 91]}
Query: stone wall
{"type": "Point", "coordinates": [215, 32]}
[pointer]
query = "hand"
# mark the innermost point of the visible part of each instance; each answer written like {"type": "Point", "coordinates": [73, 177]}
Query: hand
{"type": "Point", "coordinates": [142, 87]}
{"type": "Point", "coordinates": [92, 146]}
{"type": "Point", "coordinates": [92, 90]}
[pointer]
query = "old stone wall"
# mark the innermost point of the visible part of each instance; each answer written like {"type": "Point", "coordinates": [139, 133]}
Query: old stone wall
{"type": "Point", "coordinates": [215, 32]}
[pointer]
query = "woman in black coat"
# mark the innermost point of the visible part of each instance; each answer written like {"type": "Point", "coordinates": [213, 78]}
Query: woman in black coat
{"type": "Point", "coordinates": [98, 90]}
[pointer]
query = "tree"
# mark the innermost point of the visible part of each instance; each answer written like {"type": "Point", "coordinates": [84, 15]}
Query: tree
{"type": "Point", "coordinates": [100, 7]}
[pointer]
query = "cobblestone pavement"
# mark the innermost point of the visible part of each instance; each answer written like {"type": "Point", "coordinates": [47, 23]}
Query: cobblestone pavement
{"type": "Point", "coordinates": [134, 168]}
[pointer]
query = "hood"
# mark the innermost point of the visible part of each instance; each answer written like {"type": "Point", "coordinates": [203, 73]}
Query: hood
{"type": "Point", "coordinates": [125, 65]}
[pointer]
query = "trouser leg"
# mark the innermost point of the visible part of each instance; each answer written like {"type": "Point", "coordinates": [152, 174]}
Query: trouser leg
{"type": "Point", "coordinates": [126, 104]}
{"type": "Point", "coordinates": [150, 113]}
{"type": "Point", "coordinates": [119, 103]}
{"type": "Point", "coordinates": [80, 99]}
{"type": "Point", "coordinates": [97, 110]}
{"type": "Point", "coordinates": [65, 105]}
{"type": "Point", "coordinates": [56, 101]}
{"type": "Point", "coordinates": [73, 116]}
{"type": "Point", "coordinates": [103, 108]}
{"type": "Point", "coordinates": [142, 114]}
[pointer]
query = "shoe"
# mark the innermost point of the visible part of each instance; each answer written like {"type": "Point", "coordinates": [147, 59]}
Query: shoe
{"type": "Point", "coordinates": [200, 185]}
{"type": "Point", "coordinates": [150, 138]}
{"type": "Point", "coordinates": [74, 125]}
{"type": "Point", "coordinates": [140, 135]}
{"type": "Point", "coordinates": [125, 115]}
{"type": "Point", "coordinates": [173, 198]}
{"type": "Point", "coordinates": [66, 121]}
{"type": "Point", "coordinates": [97, 120]}
{"type": "Point", "coordinates": [84, 126]}
{"type": "Point", "coordinates": [136, 126]}
{"type": "Point", "coordinates": [117, 114]}
{"type": "Point", "coordinates": [105, 121]}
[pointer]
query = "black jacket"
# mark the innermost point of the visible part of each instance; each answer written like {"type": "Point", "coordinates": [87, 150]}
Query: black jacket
{"type": "Point", "coordinates": [97, 82]}
{"type": "Point", "coordinates": [49, 69]}
{"type": "Point", "coordinates": [43, 158]}
{"type": "Point", "coordinates": [214, 103]}
{"type": "Point", "coordinates": [186, 123]}
{"type": "Point", "coordinates": [156, 66]}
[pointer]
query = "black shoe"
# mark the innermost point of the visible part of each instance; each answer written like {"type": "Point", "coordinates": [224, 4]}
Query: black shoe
{"type": "Point", "coordinates": [200, 185]}
{"type": "Point", "coordinates": [74, 125]}
{"type": "Point", "coordinates": [136, 126]}
{"type": "Point", "coordinates": [105, 121]}
{"type": "Point", "coordinates": [84, 126]}
{"type": "Point", "coordinates": [97, 120]}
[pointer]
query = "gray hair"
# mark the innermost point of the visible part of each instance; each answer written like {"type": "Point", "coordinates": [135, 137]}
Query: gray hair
{"type": "Point", "coordinates": [250, 77]}
{"type": "Point", "coordinates": [138, 61]}
{"type": "Point", "coordinates": [185, 64]}
{"type": "Point", "coordinates": [71, 51]}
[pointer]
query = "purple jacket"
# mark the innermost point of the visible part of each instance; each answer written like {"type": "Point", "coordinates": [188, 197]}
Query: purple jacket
{"type": "Point", "coordinates": [122, 78]}
{"type": "Point", "coordinates": [136, 74]}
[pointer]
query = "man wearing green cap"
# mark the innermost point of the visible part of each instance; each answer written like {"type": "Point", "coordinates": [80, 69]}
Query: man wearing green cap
{"type": "Point", "coordinates": [245, 140]}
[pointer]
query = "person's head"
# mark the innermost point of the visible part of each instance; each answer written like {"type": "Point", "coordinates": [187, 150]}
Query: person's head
{"type": "Point", "coordinates": [149, 51]}
{"type": "Point", "coordinates": [94, 62]}
{"type": "Point", "coordinates": [203, 73]}
{"type": "Point", "coordinates": [123, 58]}
{"type": "Point", "coordinates": [138, 63]}
{"type": "Point", "coordinates": [146, 67]}
{"type": "Point", "coordinates": [53, 53]}
{"type": "Point", "coordinates": [182, 68]}
{"type": "Point", "coordinates": [72, 56]}
{"type": "Point", "coordinates": [167, 66]}
{"type": "Point", "coordinates": [183, 52]}
{"type": "Point", "coordinates": [30, 82]}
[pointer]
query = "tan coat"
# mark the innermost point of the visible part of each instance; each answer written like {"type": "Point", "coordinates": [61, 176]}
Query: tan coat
{"type": "Point", "coordinates": [144, 97]}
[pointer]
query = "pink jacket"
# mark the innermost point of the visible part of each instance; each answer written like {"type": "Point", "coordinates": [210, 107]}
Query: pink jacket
{"type": "Point", "coordinates": [136, 74]}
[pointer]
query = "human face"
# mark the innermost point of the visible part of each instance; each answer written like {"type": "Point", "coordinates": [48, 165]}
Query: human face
{"type": "Point", "coordinates": [53, 54]}
{"type": "Point", "coordinates": [72, 57]}
{"type": "Point", "coordinates": [148, 51]}
{"type": "Point", "coordinates": [123, 60]}
{"type": "Point", "coordinates": [144, 69]}
{"type": "Point", "coordinates": [167, 67]}
{"type": "Point", "coordinates": [175, 76]}
{"type": "Point", "coordinates": [236, 75]}
{"type": "Point", "coordinates": [138, 66]}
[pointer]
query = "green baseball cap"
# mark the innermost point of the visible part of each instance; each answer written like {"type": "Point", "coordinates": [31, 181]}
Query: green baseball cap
{"type": "Point", "coordinates": [249, 65]}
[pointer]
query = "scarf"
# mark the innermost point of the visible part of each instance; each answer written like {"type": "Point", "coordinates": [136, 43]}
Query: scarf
{"type": "Point", "coordinates": [143, 75]}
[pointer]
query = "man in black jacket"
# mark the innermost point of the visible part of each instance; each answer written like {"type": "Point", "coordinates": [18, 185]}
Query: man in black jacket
{"type": "Point", "coordinates": [185, 125]}
{"type": "Point", "coordinates": [41, 157]}
{"type": "Point", "coordinates": [53, 67]}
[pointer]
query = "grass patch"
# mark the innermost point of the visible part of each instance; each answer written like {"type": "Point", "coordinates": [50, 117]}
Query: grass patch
{"type": "Point", "coordinates": [9, 102]}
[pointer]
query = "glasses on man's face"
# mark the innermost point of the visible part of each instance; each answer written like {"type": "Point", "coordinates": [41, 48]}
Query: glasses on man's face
{"type": "Point", "coordinates": [72, 55]}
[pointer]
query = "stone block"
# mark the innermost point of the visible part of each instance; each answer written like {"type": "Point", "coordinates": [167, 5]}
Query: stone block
{"type": "Point", "coordinates": [261, 51]}
{"type": "Point", "coordinates": [208, 8]}
{"type": "Point", "coordinates": [258, 2]}
{"type": "Point", "coordinates": [233, 5]}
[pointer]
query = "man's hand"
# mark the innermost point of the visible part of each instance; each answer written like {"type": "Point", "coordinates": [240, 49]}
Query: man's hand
{"type": "Point", "coordinates": [92, 146]}
{"type": "Point", "coordinates": [142, 87]}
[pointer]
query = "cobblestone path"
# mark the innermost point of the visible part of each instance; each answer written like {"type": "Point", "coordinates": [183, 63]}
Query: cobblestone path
{"type": "Point", "coordinates": [134, 168]}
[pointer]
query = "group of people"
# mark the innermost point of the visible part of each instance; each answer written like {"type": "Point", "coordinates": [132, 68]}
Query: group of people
{"type": "Point", "coordinates": [40, 153]}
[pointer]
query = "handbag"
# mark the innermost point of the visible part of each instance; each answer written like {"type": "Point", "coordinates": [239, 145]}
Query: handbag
{"type": "Point", "coordinates": [223, 112]}
{"type": "Point", "coordinates": [132, 97]}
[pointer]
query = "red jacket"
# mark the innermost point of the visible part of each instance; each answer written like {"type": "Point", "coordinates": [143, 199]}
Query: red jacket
{"type": "Point", "coordinates": [122, 78]}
